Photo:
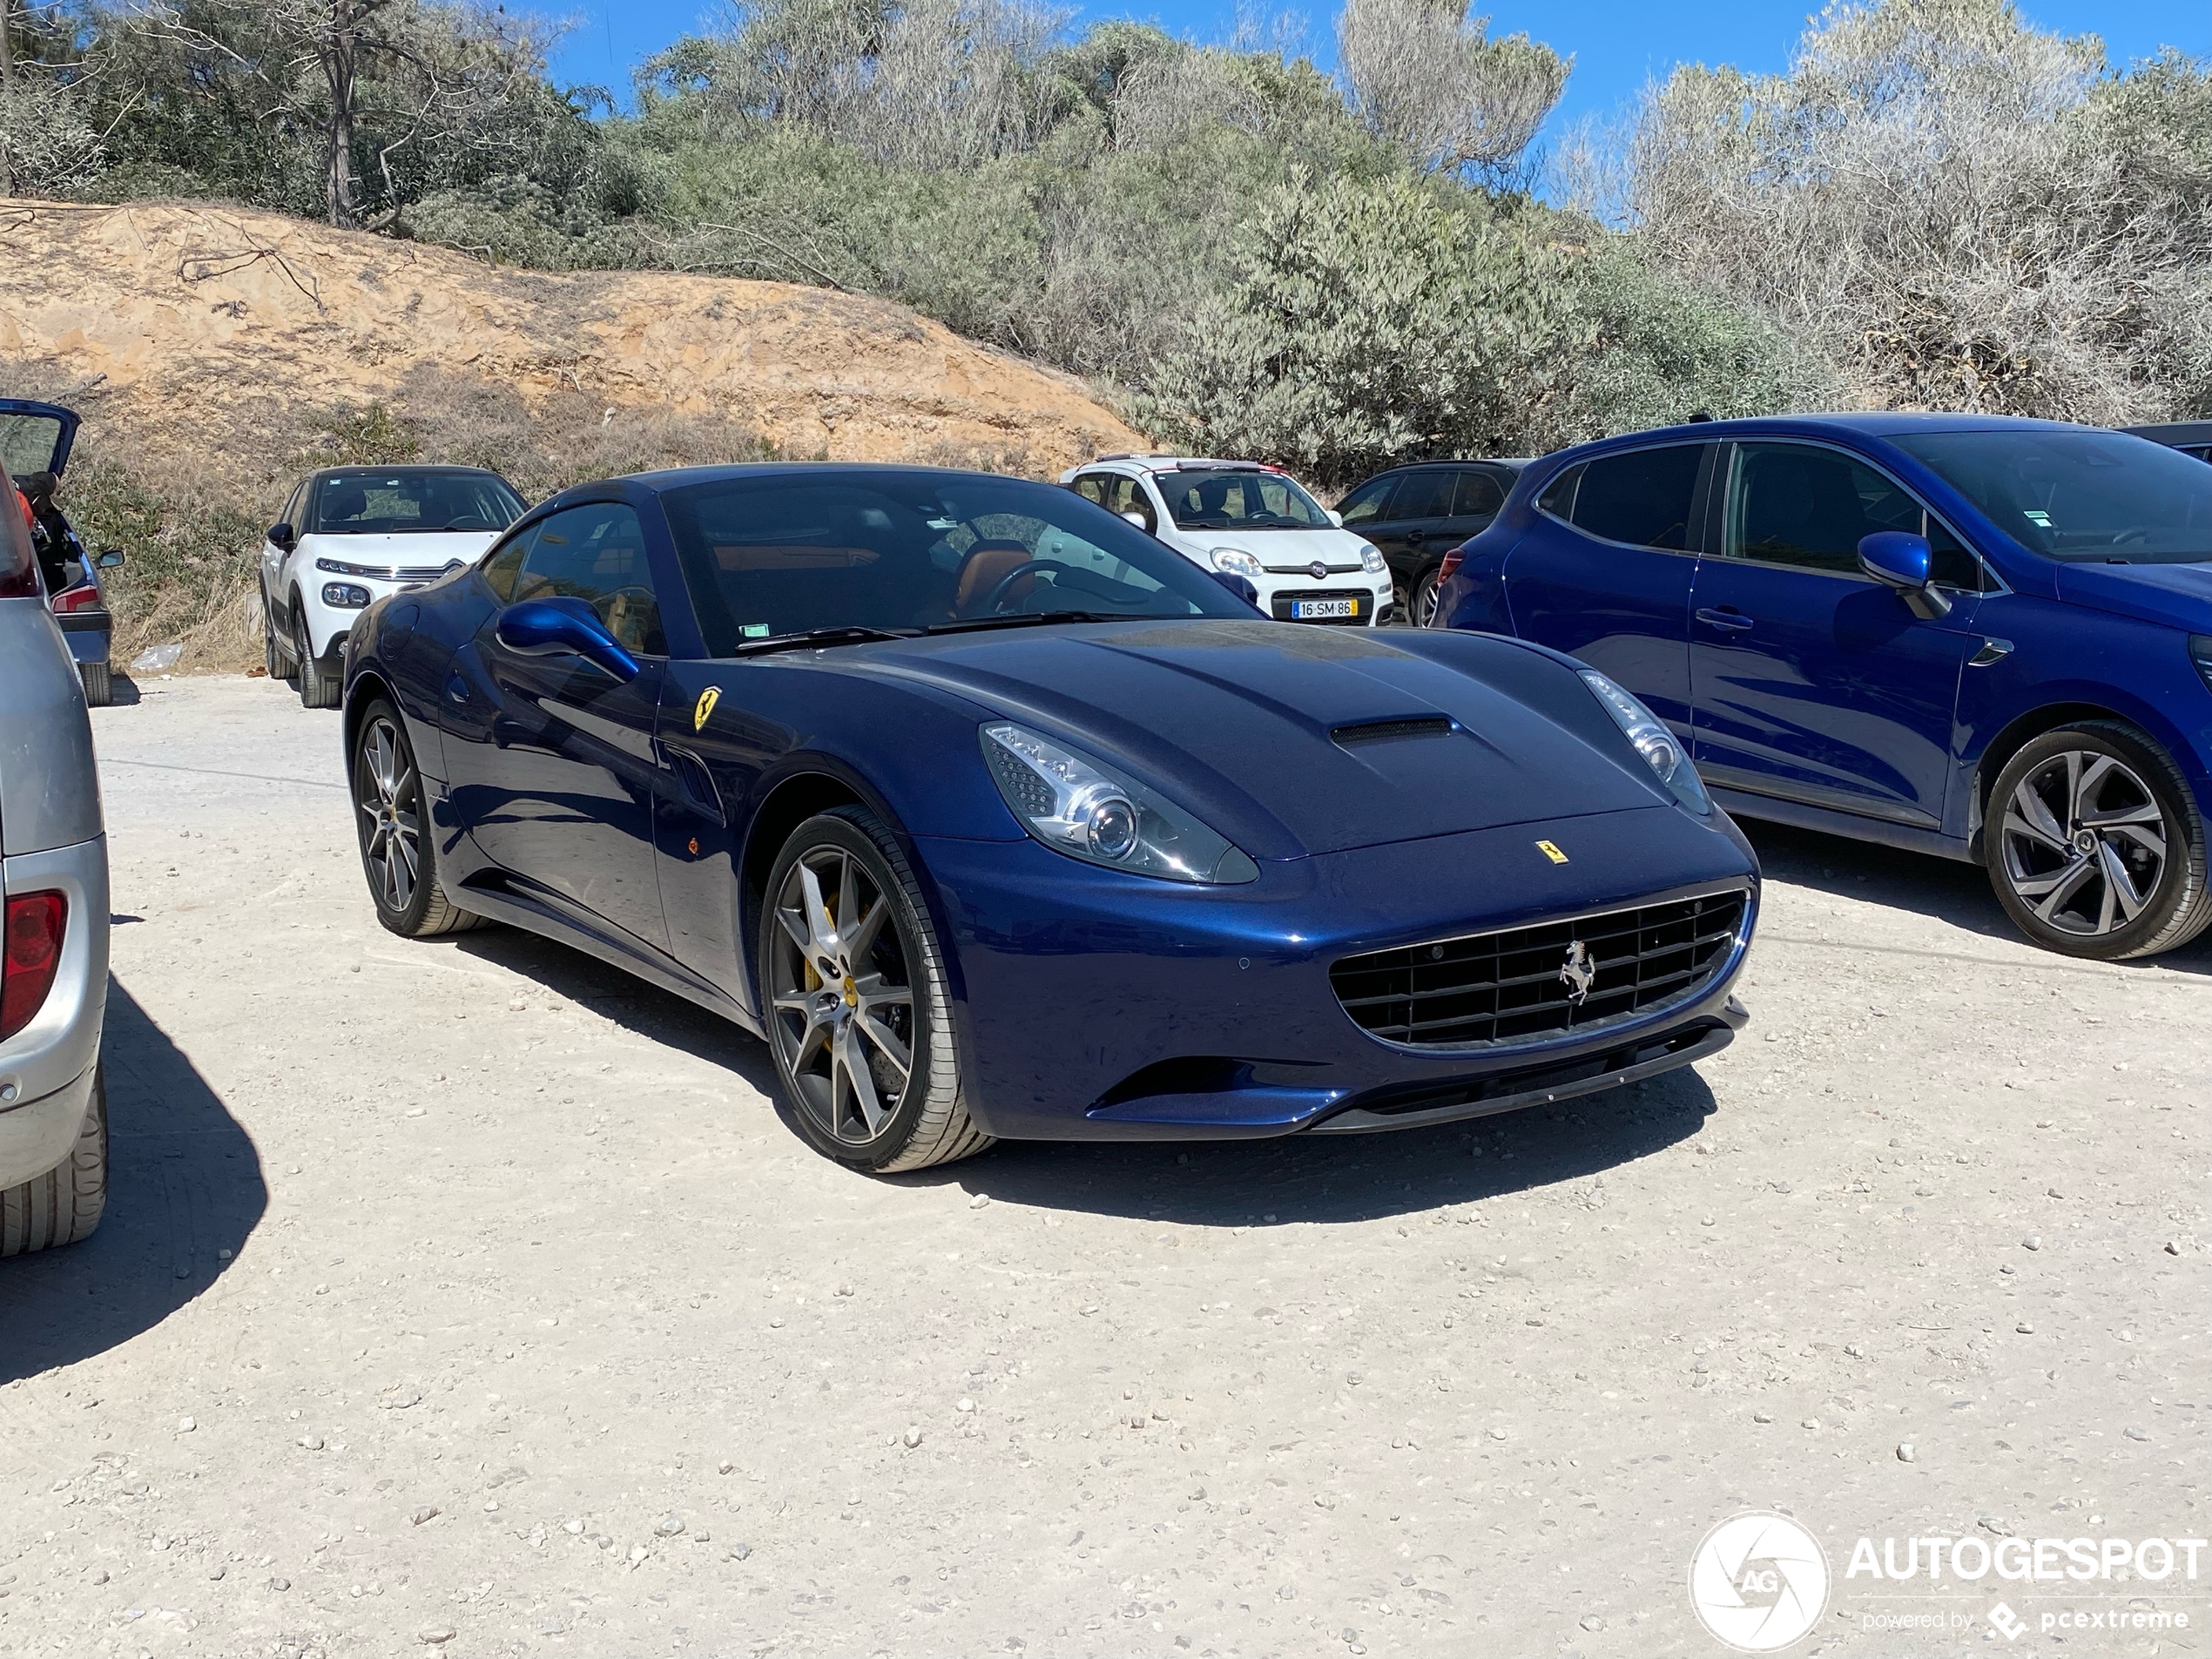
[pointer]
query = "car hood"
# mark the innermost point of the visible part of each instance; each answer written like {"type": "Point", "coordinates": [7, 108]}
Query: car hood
{"type": "Point", "coordinates": [1233, 719]}
{"type": "Point", "coordinates": [1282, 550]}
{"type": "Point", "coordinates": [2178, 595]}
{"type": "Point", "coordinates": [419, 554]}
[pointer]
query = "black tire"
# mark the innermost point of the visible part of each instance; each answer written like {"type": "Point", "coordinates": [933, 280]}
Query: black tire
{"type": "Point", "coordinates": [398, 852]}
{"type": "Point", "coordinates": [2094, 844]}
{"type": "Point", "coordinates": [319, 688]}
{"type": "Point", "coordinates": [99, 684]}
{"type": "Point", "coordinates": [815, 1027]}
{"type": "Point", "coordinates": [64, 1204]}
{"type": "Point", "coordinates": [1421, 609]}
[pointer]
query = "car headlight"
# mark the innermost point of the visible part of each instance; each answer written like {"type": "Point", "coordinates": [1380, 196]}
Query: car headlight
{"type": "Point", "coordinates": [2200, 654]}
{"type": "Point", "coordinates": [1370, 556]}
{"type": "Point", "coordinates": [339, 567]}
{"type": "Point", "coordinates": [1236, 562]}
{"type": "Point", "coordinates": [1661, 749]}
{"type": "Point", "coordinates": [344, 596]}
{"type": "Point", "coordinates": [1084, 808]}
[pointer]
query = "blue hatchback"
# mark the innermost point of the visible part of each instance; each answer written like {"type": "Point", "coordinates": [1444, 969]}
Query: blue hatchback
{"type": "Point", "coordinates": [1985, 638]}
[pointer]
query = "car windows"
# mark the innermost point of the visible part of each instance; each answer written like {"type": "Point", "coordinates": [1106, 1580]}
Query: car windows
{"type": "Point", "coordinates": [1423, 495]}
{"type": "Point", "coordinates": [28, 443]}
{"type": "Point", "coordinates": [1479, 495]}
{"type": "Point", "coordinates": [404, 500]}
{"type": "Point", "coordinates": [1369, 502]}
{"type": "Point", "coordinates": [500, 568]}
{"type": "Point", "coordinates": [1641, 497]}
{"type": "Point", "coordinates": [1205, 499]}
{"type": "Point", "coordinates": [1092, 486]}
{"type": "Point", "coordinates": [1129, 495]}
{"type": "Point", "coordinates": [2074, 494]}
{"type": "Point", "coordinates": [764, 557]}
{"type": "Point", "coordinates": [1558, 496]}
{"type": "Point", "coordinates": [1808, 508]}
{"type": "Point", "coordinates": [596, 553]}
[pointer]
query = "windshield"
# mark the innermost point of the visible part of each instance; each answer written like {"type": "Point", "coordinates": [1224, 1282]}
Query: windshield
{"type": "Point", "coordinates": [409, 499]}
{"type": "Point", "coordinates": [27, 443]}
{"type": "Point", "coordinates": [769, 557]}
{"type": "Point", "coordinates": [1228, 499]}
{"type": "Point", "coordinates": [2083, 496]}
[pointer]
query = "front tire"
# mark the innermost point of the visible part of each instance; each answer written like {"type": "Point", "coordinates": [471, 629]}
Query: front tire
{"type": "Point", "coordinates": [319, 688]}
{"type": "Point", "coordinates": [859, 1017]}
{"type": "Point", "coordinates": [64, 1204]}
{"type": "Point", "coordinates": [2095, 846]}
{"type": "Point", "coordinates": [399, 854]}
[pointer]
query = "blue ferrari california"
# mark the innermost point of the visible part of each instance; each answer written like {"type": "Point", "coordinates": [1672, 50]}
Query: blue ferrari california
{"type": "Point", "coordinates": [994, 817]}
{"type": "Point", "coordinates": [1983, 638]}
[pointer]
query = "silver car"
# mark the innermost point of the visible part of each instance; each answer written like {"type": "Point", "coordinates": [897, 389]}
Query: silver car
{"type": "Point", "coordinates": [53, 923]}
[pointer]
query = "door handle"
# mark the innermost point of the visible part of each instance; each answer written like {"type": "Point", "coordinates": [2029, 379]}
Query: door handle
{"type": "Point", "coordinates": [1728, 619]}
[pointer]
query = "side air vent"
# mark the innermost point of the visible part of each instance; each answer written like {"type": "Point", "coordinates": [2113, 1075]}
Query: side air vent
{"type": "Point", "coordinates": [1351, 737]}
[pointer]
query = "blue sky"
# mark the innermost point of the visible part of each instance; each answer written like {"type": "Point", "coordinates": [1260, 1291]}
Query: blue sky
{"type": "Point", "coordinates": [1617, 45]}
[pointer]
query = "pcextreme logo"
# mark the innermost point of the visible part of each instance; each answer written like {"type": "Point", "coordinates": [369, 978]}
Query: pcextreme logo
{"type": "Point", "coordinates": [1758, 1582]}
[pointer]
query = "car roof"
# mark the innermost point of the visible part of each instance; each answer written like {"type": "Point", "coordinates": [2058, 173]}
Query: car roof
{"type": "Point", "coordinates": [2174, 432]}
{"type": "Point", "coordinates": [402, 466]}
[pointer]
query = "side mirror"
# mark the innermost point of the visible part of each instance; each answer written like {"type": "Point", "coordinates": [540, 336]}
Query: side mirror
{"type": "Point", "coordinates": [1240, 585]}
{"type": "Point", "coordinates": [1900, 560]}
{"type": "Point", "coordinates": [1137, 519]}
{"type": "Point", "coordinates": [281, 535]}
{"type": "Point", "coordinates": [558, 627]}
{"type": "Point", "coordinates": [111, 558]}
{"type": "Point", "coordinates": [1336, 518]}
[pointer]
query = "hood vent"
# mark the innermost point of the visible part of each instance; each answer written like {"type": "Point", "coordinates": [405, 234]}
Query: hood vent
{"type": "Point", "coordinates": [1351, 737]}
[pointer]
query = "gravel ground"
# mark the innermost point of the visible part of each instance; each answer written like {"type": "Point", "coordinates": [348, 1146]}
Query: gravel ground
{"type": "Point", "coordinates": [471, 1295]}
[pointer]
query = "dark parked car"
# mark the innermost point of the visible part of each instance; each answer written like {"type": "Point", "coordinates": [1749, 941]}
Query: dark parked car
{"type": "Point", "coordinates": [1418, 514]}
{"type": "Point", "coordinates": [997, 817]}
{"type": "Point", "coordinates": [2190, 437]}
{"type": "Point", "coordinates": [34, 442]}
{"type": "Point", "coordinates": [1984, 638]}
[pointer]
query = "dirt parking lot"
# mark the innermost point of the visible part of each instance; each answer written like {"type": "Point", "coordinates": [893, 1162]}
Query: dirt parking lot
{"type": "Point", "coordinates": [472, 1295]}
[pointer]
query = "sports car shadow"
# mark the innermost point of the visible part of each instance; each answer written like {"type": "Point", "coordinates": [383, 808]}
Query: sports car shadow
{"type": "Point", "coordinates": [1941, 889]}
{"type": "Point", "coordinates": [185, 1189]}
{"type": "Point", "coordinates": [1341, 1177]}
{"type": "Point", "coordinates": [1223, 1184]}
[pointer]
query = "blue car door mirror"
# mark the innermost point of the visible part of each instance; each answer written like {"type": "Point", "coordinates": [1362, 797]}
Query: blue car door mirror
{"type": "Point", "coordinates": [551, 627]}
{"type": "Point", "coordinates": [1901, 560]}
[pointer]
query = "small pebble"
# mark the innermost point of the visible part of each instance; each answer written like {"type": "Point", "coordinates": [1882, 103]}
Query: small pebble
{"type": "Point", "coordinates": [725, 1467]}
{"type": "Point", "coordinates": [2025, 1328]}
{"type": "Point", "coordinates": [437, 1638]}
{"type": "Point", "coordinates": [668, 1525]}
{"type": "Point", "coordinates": [1591, 1621]}
{"type": "Point", "coordinates": [740, 1551]}
{"type": "Point", "coordinates": [2173, 1247]}
{"type": "Point", "coordinates": [279, 1583]}
{"type": "Point", "coordinates": [311, 1442]}
{"type": "Point", "coordinates": [1811, 1422]}
{"type": "Point", "coordinates": [186, 1425]}
{"type": "Point", "coordinates": [2032, 1242]}
{"type": "Point", "coordinates": [215, 1571]}
{"type": "Point", "coordinates": [2134, 1434]}
{"type": "Point", "coordinates": [491, 1506]}
{"type": "Point", "coordinates": [912, 1437]}
{"type": "Point", "coordinates": [1904, 1452]}
{"type": "Point", "coordinates": [425, 1512]}
{"type": "Point", "coordinates": [963, 1404]}
{"type": "Point", "coordinates": [637, 1553]}
{"type": "Point", "coordinates": [1763, 1416]}
{"type": "Point", "coordinates": [979, 1201]}
{"type": "Point", "coordinates": [574, 1528]}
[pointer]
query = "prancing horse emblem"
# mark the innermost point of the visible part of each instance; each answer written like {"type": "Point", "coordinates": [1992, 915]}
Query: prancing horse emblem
{"type": "Point", "coordinates": [708, 698]}
{"type": "Point", "coordinates": [1577, 973]}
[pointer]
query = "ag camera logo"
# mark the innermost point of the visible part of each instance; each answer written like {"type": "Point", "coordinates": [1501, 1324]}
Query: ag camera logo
{"type": "Point", "coordinates": [1758, 1582]}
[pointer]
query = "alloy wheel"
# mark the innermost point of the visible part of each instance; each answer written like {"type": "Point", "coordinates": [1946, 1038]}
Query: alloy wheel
{"type": "Point", "coordinates": [1423, 607]}
{"type": "Point", "coordinates": [385, 790]}
{"type": "Point", "coordinates": [843, 999]}
{"type": "Point", "coordinates": [2084, 843]}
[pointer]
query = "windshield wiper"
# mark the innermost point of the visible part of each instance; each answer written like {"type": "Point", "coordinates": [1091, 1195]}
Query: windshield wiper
{"type": "Point", "coordinates": [846, 636]}
{"type": "Point", "coordinates": [1033, 618]}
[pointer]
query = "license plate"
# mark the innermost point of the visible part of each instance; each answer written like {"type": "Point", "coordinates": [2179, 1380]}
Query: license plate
{"type": "Point", "coordinates": [1322, 609]}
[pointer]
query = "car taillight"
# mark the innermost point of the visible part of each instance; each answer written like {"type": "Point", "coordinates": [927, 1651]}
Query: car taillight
{"type": "Point", "coordinates": [31, 949]}
{"type": "Point", "coordinates": [84, 597]}
{"type": "Point", "coordinates": [1451, 566]}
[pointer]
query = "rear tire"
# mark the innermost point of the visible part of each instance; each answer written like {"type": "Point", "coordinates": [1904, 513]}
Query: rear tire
{"type": "Point", "coordinates": [319, 689]}
{"type": "Point", "coordinates": [854, 978]}
{"type": "Point", "coordinates": [99, 684]}
{"type": "Point", "coordinates": [65, 1204]}
{"type": "Point", "coordinates": [2095, 846]}
{"type": "Point", "coordinates": [1420, 611]}
{"type": "Point", "coordinates": [398, 852]}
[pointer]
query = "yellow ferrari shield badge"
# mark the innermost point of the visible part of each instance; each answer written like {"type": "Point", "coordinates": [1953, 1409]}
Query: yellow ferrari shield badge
{"type": "Point", "coordinates": [1551, 852]}
{"type": "Point", "coordinates": [713, 695]}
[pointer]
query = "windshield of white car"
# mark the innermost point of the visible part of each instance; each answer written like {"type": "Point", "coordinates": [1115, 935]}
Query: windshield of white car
{"type": "Point", "coordinates": [891, 551]}
{"type": "Point", "coordinates": [1227, 499]}
{"type": "Point", "coordinates": [2081, 496]}
{"type": "Point", "coordinates": [400, 501]}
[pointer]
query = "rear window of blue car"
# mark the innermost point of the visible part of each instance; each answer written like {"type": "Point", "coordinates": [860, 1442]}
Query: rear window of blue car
{"type": "Point", "coordinates": [768, 557]}
{"type": "Point", "coordinates": [1640, 498]}
{"type": "Point", "coordinates": [2078, 495]}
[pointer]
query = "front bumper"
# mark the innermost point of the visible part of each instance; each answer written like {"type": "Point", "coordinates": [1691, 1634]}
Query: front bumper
{"type": "Point", "coordinates": [1097, 1006]}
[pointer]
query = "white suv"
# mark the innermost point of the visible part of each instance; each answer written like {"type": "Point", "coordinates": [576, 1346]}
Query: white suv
{"type": "Point", "coordinates": [1244, 519]}
{"type": "Point", "coordinates": [350, 535]}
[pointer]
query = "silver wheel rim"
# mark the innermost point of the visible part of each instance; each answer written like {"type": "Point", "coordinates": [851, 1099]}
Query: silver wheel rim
{"type": "Point", "coordinates": [843, 1003]}
{"type": "Point", "coordinates": [2085, 843]}
{"type": "Point", "coordinates": [1424, 601]}
{"type": "Point", "coordinates": [384, 789]}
